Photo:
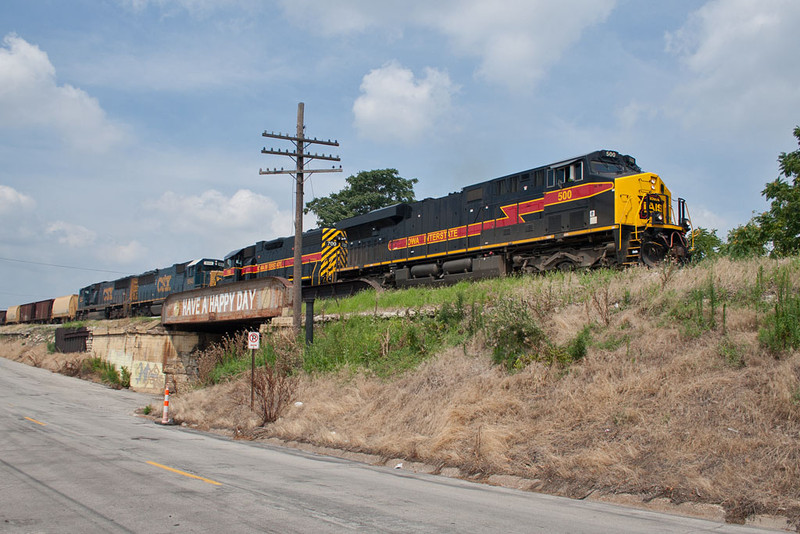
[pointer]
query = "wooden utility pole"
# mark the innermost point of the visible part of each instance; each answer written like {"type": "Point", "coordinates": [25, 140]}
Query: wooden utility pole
{"type": "Point", "coordinates": [299, 155]}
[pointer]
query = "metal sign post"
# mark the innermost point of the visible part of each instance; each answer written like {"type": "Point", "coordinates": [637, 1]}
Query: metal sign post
{"type": "Point", "coordinates": [253, 342]}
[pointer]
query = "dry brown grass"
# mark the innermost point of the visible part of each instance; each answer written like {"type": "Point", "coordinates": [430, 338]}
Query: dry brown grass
{"type": "Point", "coordinates": [32, 349]}
{"type": "Point", "coordinates": [655, 409]}
{"type": "Point", "coordinates": [711, 418]}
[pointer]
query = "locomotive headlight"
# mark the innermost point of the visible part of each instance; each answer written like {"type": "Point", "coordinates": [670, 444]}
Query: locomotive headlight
{"type": "Point", "coordinates": [653, 180]}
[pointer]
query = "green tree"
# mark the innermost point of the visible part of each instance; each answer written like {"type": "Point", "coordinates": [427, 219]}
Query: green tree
{"type": "Point", "coordinates": [706, 243]}
{"type": "Point", "coordinates": [746, 241]}
{"type": "Point", "coordinates": [778, 229]}
{"type": "Point", "coordinates": [781, 224]}
{"type": "Point", "coordinates": [366, 191]}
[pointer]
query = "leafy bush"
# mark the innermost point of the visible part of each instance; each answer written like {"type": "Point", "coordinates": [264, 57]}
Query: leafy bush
{"type": "Point", "coordinates": [516, 340]}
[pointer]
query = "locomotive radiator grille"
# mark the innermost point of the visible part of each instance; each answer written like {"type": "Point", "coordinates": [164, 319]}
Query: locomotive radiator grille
{"type": "Point", "coordinates": [334, 255]}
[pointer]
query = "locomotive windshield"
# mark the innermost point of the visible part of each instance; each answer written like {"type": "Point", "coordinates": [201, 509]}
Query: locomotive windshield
{"type": "Point", "coordinates": [611, 164]}
{"type": "Point", "coordinates": [606, 169]}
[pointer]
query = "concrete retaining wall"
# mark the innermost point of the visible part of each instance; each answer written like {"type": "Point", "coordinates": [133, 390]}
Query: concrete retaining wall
{"type": "Point", "coordinates": [154, 356]}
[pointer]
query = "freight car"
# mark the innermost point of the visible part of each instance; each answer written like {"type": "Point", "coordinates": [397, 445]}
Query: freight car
{"type": "Point", "coordinates": [144, 294]}
{"type": "Point", "coordinates": [56, 310]}
{"type": "Point", "coordinates": [65, 309]}
{"type": "Point", "coordinates": [594, 210]}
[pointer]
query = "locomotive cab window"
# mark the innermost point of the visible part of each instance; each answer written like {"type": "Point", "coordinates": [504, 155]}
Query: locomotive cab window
{"type": "Point", "coordinates": [569, 173]}
{"type": "Point", "coordinates": [576, 174]}
{"type": "Point", "coordinates": [561, 175]}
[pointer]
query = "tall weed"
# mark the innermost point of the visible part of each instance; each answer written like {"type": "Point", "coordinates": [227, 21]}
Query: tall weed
{"type": "Point", "coordinates": [224, 359]}
{"type": "Point", "coordinates": [106, 372]}
{"type": "Point", "coordinates": [782, 327]}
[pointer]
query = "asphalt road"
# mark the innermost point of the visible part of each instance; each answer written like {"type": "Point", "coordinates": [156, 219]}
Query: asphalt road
{"type": "Point", "coordinates": [74, 458]}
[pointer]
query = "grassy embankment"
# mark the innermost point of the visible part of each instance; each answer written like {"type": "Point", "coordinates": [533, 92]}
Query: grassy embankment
{"type": "Point", "coordinates": [677, 383]}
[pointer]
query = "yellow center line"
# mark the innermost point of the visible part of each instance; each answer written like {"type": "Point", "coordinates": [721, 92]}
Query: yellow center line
{"type": "Point", "coordinates": [186, 474]}
{"type": "Point", "coordinates": [35, 421]}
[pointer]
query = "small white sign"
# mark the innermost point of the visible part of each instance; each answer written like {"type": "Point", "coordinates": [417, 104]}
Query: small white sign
{"type": "Point", "coordinates": [253, 339]}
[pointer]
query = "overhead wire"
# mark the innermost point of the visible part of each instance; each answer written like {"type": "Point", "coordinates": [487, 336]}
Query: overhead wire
{"type": "Point", "coordinates": [62, 266]}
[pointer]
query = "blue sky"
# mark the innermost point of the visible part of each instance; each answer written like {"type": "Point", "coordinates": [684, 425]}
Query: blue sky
{"type": "Point", "coordinates": [130, 130]}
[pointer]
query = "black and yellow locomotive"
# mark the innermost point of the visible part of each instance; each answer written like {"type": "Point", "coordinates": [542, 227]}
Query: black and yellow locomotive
{"type": "Point", "coordinates": [324, 254]}
{"type": "Point", "coordinates": [595, 210]}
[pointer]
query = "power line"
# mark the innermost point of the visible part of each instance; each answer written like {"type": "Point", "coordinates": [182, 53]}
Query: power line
{"type": "Point", "coordinates": [62, 266]}
{"type": "Point", "coordinates": [26, 295]}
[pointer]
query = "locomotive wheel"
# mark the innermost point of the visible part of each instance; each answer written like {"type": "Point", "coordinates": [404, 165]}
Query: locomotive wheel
{"type": "Point", "coordinates": [565, 266]}
{"type": "Point", "coordinates": [653, 253]}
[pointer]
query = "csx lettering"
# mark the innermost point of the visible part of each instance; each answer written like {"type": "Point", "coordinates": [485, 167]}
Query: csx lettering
{"type": "Point", "coordinates": [163, 283]}
{"type": "Point", "coordinates": [108, 294]}
{"type": "Point", "coordinates": [564, 195]}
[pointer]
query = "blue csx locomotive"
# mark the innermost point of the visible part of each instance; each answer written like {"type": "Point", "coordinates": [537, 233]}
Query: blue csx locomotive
{"type": "Point", "coordinates": [595, 210]}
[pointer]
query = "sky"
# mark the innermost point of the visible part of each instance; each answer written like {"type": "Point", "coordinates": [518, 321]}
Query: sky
{"type": "Point", "coordinates": [130, 130]}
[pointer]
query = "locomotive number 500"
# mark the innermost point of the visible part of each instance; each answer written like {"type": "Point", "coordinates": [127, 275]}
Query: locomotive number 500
{"type": "Point", "coordinates": [565, 195]}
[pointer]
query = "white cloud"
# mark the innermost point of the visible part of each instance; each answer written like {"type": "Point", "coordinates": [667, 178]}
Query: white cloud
{"type": "Point", "coordinates": [396, 106]}
{"type": "Point", "coordinates": [743, 65]}
{"type": "Point", "coordinates": [345, 16]}
{"type": "Point", "coordinates": [515, 41]}
{"type": "Point", "coordinates": [31, 99]}
{"type": "Point", "coordinates": [128, 253]}
{"type": "Point", "coordinates": [704, 217]}
{"type": "Point", "coordinates": [632, 113]}
{"type": "Point", "coordinates": [213, 212]}
{"type": "Point", "coordinates": [72, 235]}
{"type": "Point", "coordinates": [18, 212]}
{"type": "Point", "coordinates": [12, 201]}
{"type": "Point", "coordinates": [200, 8]}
